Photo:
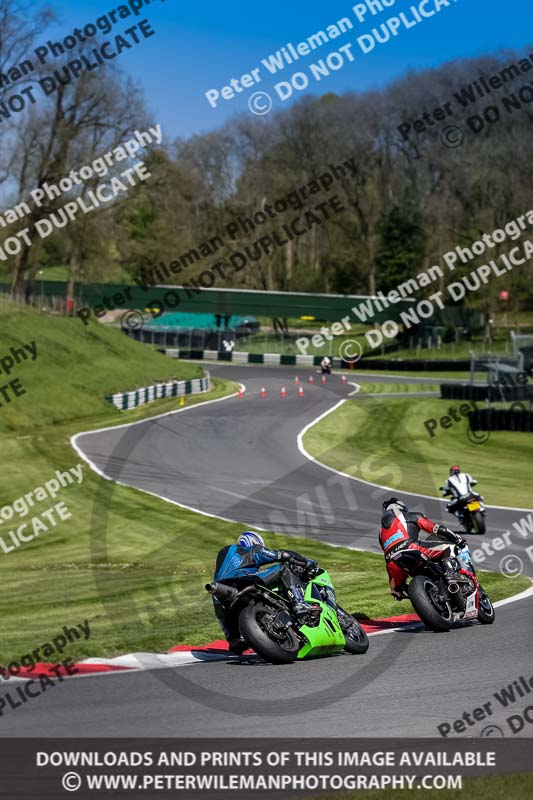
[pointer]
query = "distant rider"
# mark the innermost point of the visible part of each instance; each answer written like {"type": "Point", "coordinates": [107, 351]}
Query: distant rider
{"type": "Point", "coordinates": [243, 559]}
{"type": "Point", "coordinates": [458, 485]}
{"type": "Point", "coordinates": [400, 529]}
{"type": "Point", "coordinates": [326, 364]}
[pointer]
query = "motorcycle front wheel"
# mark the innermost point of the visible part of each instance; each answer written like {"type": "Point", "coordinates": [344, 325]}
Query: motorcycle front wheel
{"type": "Point", "coordinates": [486, 612]}
{"type": "Point", "coordinates": [434, 610]}
{"type": "Point", "coordinates": [256, 625]}
{"type": "Point", "coordinates": [356, 638]}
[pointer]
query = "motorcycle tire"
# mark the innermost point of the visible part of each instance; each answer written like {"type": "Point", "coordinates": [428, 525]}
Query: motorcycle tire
{"type": "Point", "coordinates": [424, 606]}
{"type": "Point", "coordinates": [486, 612]}
{"type": "Point", "coordinates": [257, 637]}
{"type": "Point", "coordinates": [356, 638]}
{"type": "Point", "coordinates": [479, 523]}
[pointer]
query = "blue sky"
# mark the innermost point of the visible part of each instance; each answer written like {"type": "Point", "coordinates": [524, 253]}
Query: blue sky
{"type": "Point", "coordinates": [201, 46]}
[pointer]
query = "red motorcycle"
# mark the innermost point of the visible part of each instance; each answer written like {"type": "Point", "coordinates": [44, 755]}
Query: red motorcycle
{"type": "Point", "coordinates": [445, 590]}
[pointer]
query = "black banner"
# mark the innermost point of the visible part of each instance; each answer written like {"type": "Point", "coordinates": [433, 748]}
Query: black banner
{"type": "Point", "coordinates": [245, 768]}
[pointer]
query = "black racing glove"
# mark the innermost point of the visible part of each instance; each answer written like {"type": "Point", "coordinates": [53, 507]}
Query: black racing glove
{"type": "Point", "coordinates": [297, 563]}
{"type": "Point", "coordinates": [284, 555]}
{"type": "Point", "coordinates": [312, 567]}
{"type": "Point", "coordinates": [294, 560]}
{"type": "Point", "coordinates": [400, 592]}
{"type": "Point", "coordinates": [448, 535]}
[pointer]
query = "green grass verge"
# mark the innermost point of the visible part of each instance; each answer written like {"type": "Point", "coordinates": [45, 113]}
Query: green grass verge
{"type": "Point", "coordinates": [392, 432]}
{"type": "Point", "coordinates": [460, 376]}
{"type": "Point", "coordinates": [52, 580]}
{"type": "Point", "coordinates": [500, 347]}
{"type": "Point", "coordinates": [393, 388]}
{"type": "Point", "coordinates": [496, 787]}
{"type": "Point", "coordinates": [132, 565]}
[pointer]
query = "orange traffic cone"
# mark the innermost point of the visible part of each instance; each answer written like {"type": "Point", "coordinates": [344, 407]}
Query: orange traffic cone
{"type": "Point", "coordinates": [283, 391]}
{"type": "Point", "coordinates": [240, 393]}
{"type": "Point", "coordinates": [301, 391]}
{"type": "Point", "coordinates": [263, 392]}
{"type": "Point", "coordinates": [297, 379]}
{"type": "Point", "coordinates": [311, 379]}
{"type": "Point", "coordinates": [344, 379]}
{"type": "Point", "coordinates": [323, 378]}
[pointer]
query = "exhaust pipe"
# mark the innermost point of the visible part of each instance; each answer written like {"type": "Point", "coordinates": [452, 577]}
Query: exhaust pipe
{"type": "Point", "coordinates": [453, 587]}
{"type": "Point", "coordinates": [221, 591]}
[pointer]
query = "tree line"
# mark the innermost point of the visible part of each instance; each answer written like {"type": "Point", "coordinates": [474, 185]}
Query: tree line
{"type": "Point", "coordinates": [411, 198]}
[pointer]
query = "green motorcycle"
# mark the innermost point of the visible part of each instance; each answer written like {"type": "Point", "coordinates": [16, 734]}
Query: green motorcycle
{"type": "Point", "coordinates": [268, 626]}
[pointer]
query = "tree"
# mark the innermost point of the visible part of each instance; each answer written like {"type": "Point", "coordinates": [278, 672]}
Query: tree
{"type": "Point", "coordinates": [79, 122]}
{"type": "Point", "coordinates": [402, 243]}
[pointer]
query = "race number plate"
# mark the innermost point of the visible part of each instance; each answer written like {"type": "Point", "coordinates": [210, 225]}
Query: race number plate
{"type": "Point", "coordinates": [471, 610]}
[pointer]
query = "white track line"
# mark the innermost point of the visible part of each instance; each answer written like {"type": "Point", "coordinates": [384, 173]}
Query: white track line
{"type": "Point", "coordinates": [515, 597]}
{"type": "Point", "coordinates": [92, 465]}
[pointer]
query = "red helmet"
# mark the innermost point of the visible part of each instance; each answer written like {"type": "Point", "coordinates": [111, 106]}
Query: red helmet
{"type": "Point", "coordinates": [455, 470]}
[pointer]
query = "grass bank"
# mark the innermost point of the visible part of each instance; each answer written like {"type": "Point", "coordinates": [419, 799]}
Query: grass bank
{"type": "Point", "coordinates": [75, 368]}
{"type": "Point", "coordinates": [395, 388]}
{"type": "Point", "coordinates": [417, 462]}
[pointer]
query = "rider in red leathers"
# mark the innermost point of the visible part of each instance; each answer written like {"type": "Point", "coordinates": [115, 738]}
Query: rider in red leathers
{"type": "Point", "coordinates": [400, 530]}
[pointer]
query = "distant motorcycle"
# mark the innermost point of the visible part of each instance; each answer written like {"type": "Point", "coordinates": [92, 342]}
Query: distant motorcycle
{"type": "Point", "coordinates": [267, 624]}
{"type": "Point", "coordinates": [325, 366]}
{"type": "Point", "coordinates": [471, 513]}
{"type": "Point", "coordinates": [440, 599]}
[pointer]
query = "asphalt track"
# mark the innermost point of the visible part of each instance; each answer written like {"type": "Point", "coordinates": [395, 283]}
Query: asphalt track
{"type": "Point", "coordinates": [239, 459]}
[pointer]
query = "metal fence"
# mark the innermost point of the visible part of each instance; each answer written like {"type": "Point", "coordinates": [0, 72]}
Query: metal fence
{"type": "Point", "coordinates": [47, 303]}
{"type": "Point", "coordinates": [283, 343]}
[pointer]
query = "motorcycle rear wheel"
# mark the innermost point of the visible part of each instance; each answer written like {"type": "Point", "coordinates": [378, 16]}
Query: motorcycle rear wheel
{"type": "Point", "coordinates": [253, 624]}
{"type": "Point", "coordinates": [478, 521]}
{"type": "Point", "coordinates": [436, 618]}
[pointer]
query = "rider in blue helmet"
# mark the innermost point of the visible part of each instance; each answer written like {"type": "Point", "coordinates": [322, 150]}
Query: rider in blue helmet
{"type": "Point", "coordinates": [244, 558]}
{"type": "Point", "coordinates": [250, 539]}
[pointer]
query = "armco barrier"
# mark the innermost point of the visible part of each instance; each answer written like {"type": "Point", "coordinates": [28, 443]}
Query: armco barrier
{"type": "Point", "coordinates": [492, 393]}
{"type": "Point", "coordinates": [138, 397]}
{"type": "Point", "coordinates": [275, 359]}
{"type": "Point", "coordinates": [495, 419]}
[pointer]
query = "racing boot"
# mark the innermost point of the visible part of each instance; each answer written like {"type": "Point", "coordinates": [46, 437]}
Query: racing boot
{"type": "Point", "coordinates": [237, 646]}
{"type": "Point", "coordinates": [451, 570]}
{"type": "Point", "coordinates": [302, 611]}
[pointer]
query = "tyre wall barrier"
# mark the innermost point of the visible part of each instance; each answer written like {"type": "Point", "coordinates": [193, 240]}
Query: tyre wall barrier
{"type": "Point", "coordinates": [275, 359]}
{"type": "Point", "coordinates": [495, 419]}
{"type": "Point", "coordinates": [492, 393]}
{"type": "Point", "coordinates": [138, 397]}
